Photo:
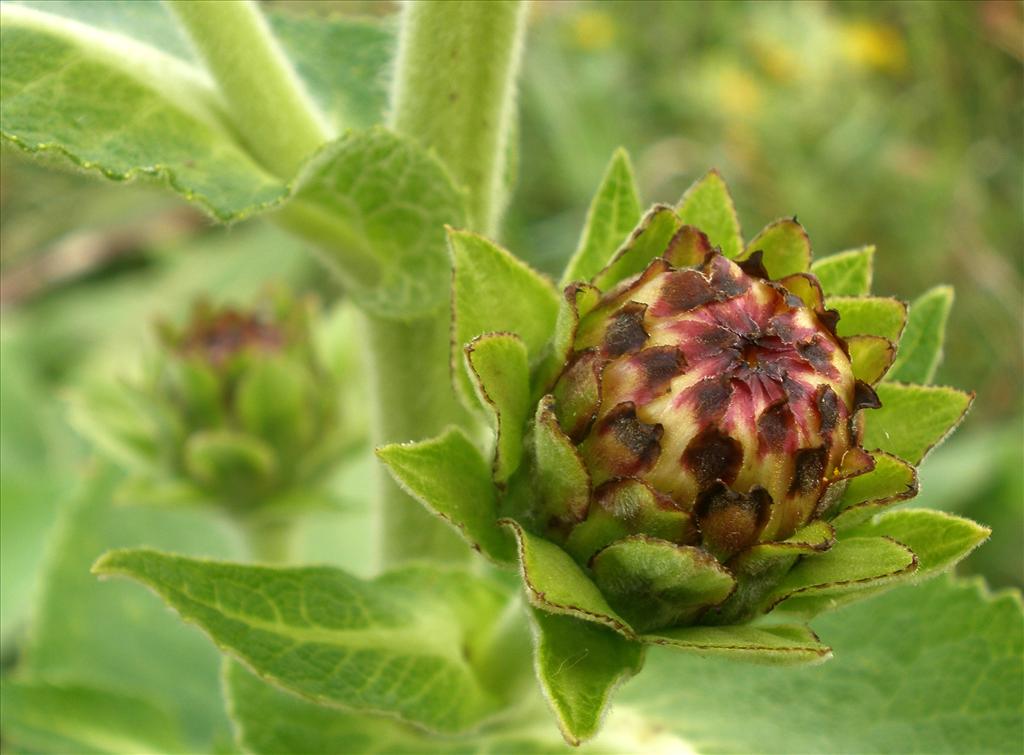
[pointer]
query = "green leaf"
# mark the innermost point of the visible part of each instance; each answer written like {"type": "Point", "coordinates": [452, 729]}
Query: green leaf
{"type": "Point", "coordinates": [614, 212]}
{"type": "Point", "coordinates": [270, 721]}
{"type": "Point", "coordinates": [577, 300]}
{"type": "Point", "coordinates": [226, 460]}
{"type": "Point", "coordinates": [559, 475]}
{"type": "Point", "coordinates": [63, 718]}
{"type": "Point", "coordinates": [125, 109]}
{"type": "Point", "coordinates": [921, 345]}
{"type": "Point", "coordinates": [939, 540]}
{"type": "Point", "coordinates": [650, 240]}
{"type": "Point", "coordinates": [579, 665]}
{"type": "Point", "coordinates": [38, 465]}
{"type": "Point", "coordinates": [493, 291]}
{"type": "Point", "coordinates": [870, 357]}
{"type": "Point", "coordinates": [116, 637]}
{"type": "Point", "coordinates": [869, 315]}
{"type": "Point", "coordinates": [851, 565]}
{"type": "Point", "coordinates": [777, 645]}
{"type": "Point", "coordinates": [449, 476]}
{"type": "Point", "coordinates": [376, 204]}
{"type": "Point", "coordinates": [343, 61]}
{"type": "Point", "coordinates": [760, 568]}
{"type": "Point", "coordinates": [914, 419]}
{"type": "Point", "coordinates": [654, 583]}
{"type": "Point", "coordinates": [846, 273]}
{"type": "Point", "coordinates": [399, 644]}
{"type": "Point", "coordinates": [708, 206]}
{"type": "Point", "coordinates": [499, 364]}
{"type": "Point", "coordinates": [786, 247]}
{"type": "Point", "coordinates": [933, 669]}
{"type": "Point", "coordinates": [556, 584]}
{"type": "Point", "coordinates": [891, 481]}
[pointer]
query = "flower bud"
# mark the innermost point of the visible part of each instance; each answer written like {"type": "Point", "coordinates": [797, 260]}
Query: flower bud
{"type": "Point", "coordinates": [710, 406]}
{"type": "Point", "coordinates": [239, 407]}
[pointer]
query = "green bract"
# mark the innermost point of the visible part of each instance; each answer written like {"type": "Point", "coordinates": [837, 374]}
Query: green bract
{"type": "Point", "coordinates": [695, 433]}
{"type": "Point", "coordinates": [237, 409]}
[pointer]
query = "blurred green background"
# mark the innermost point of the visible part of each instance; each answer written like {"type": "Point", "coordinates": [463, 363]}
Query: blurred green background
{"type": "Point", "coordinates": [893, 123]}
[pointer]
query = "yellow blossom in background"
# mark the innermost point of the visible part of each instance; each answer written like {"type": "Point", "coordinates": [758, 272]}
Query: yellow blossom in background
{"type": "Point", "coordinates": [593, 30]}
{"type": "Point", "coordinates": [738, 93]}
{"type": "Point", "coordinates": [874, 45]}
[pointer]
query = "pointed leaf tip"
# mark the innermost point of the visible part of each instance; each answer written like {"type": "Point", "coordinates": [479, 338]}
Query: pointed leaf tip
{"type": "Point", "coordinates": [921, 345]}
{"type": "Point", "coordinates": [614, 211]}
{"type": "Point", "coordinates": [913, 419]}
{"type": "Point", "coordinates": [579, 665]}
{"type": "Point", "coordinates": [708, 205]}
{"type": "Point", "coordinates": [493, 291]}
{"type": "Point", "coordinates": [450, 478]}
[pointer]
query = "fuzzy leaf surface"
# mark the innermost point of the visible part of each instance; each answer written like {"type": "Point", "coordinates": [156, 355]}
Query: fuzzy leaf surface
{"type": "Point", "coordinates": [780, 645]}
{"type": "Point", "coordinates": [579, 665]}
{"type": "Point", "coordinates": [921, 345]}
{"type": "Point", "coordinates": [939, 540]}
{"type": "Point", "coordinates": [43, 717]}
{"type": "Point", "coordinates": [892, 480]}
{"type": "Point", "coordinates": [649, 240]}
{"type": "Point", "coordinates": [932, 669]}
{"type": "Point", "coordinates": [114, 636]}
{"type": "Point", "coordinates": [846, 273]}
{"type": "Point", "coordinates": [913, 418]}
{"type": "Point", "coordinates": [393, 645]}
{"type": "Point", "coordinates": [613, 213]}
{"type": "Point", "coordinates": [555, 583]}
{"type": "Point", "coordinates": [151, 109]}
{"type": "Point", "coordinates": [449, 476]}
{"type": "Point", "coordinates": [708, 205]}
{"type": "Point", "coordinates": [270, 721]}
{"type": "Point", "coordinates": [125, 109]}
{"type": "Point", "coordinates": [376, 204]}
{"type": "Point", "coordinates": [493, 291]}
{"type": "Point", "coordinates": [786, 247]}
{"type": "Point", "coordinates": [501, 371]}
{"type": "Point", "coordinates": [869, 315]}
{"type": "Point", "coordinates": [851, 565]}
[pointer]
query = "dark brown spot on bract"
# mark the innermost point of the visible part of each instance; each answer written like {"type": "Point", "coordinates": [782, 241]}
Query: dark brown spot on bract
{"type": "Point", "coordinates": [658, 365]}
{"type": "Point", "coordinates": [712, 456]}
{"type": "Point", "coordinates": [828, 408]}
{"type": "Point", "coordinates": [730, 521]}
{"type": "Point", "coordinates": [626, 332]}
{"type": "Point", "coordinates": [775, 424]}
{"type": "Point", "coordinates": [714, 337]}
{"type": "Point", "coordinates": [726, 280]}
{"type": "Point", "coordinates": [815, 354]}
{"type": "Point", "coordinates": [809, 470]}
{"type": "Point", "coordinates": [638, 439]}
{"type": "Point", "coordinates": [754, 266]}
{"type": "Point", "coordinates": [710, 398]}
{"type": "Point", "coordinates": [829, 318]}
{"type": "Point", "coordinates": [682, 291]}
{"type": "Point", "coordinates": [781, 328]}
{"type": "Point", "coordinates": [864, 396]}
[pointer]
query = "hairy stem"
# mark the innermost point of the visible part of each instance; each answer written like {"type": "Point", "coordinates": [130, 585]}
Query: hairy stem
{"type": "Point", "coordinates": [267, 103]}
{"type": "Point", "coordinates": [454, 92]}
{"type": "Point", "coordinates": [269, 540]}
{"type": "Point", "coordinates": [412, 399]}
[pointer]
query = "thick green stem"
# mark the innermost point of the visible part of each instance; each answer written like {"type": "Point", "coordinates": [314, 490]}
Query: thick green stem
{"type": "Point", "coordinates": [412, 399]}
{"type": "Point", "coordinates": [269, 540]}
{"type": "Point", "coordinates": [267, 103]}
{"type": "Point", "coordinates": [454, 91]}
